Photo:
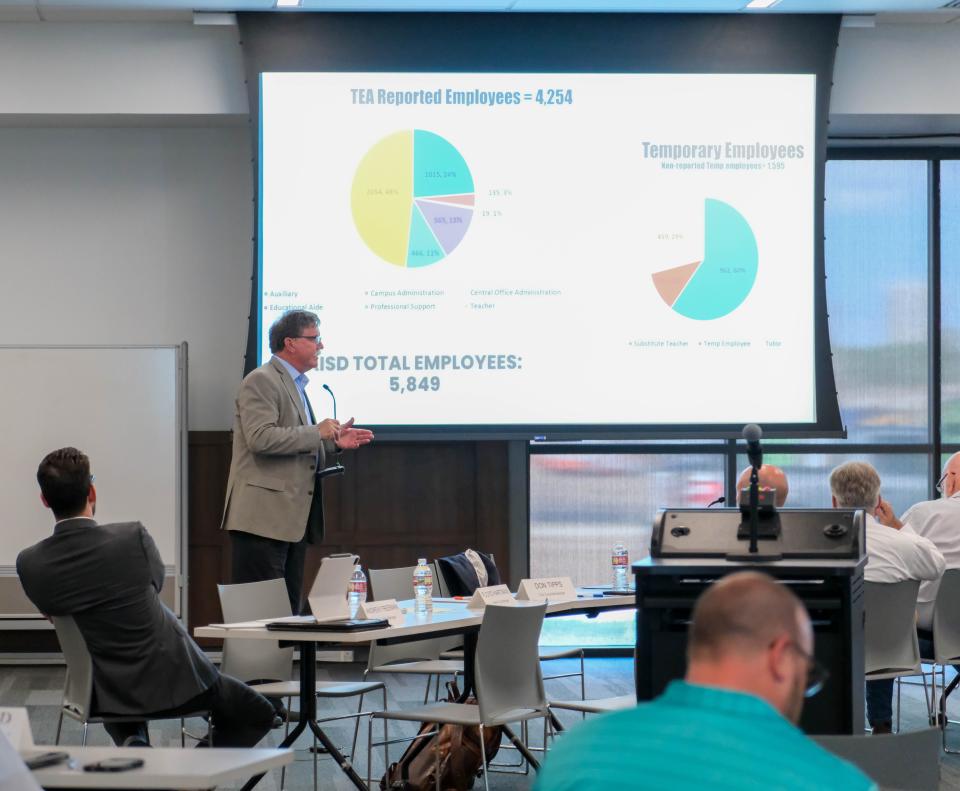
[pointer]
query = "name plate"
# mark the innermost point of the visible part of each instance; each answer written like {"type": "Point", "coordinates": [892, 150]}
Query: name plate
{"type": "Point", "coordinates": [15, 725]}
{"type": "Point", "coordinates": [388, 609]}
{"type": "Point", "coordinates": [492, 594]}
{"type": "Point", "coordinates": [552, 588]}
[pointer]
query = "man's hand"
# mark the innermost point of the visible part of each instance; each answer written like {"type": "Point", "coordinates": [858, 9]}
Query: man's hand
{"type": "Point", "coordinates": [351, 438]}
{"type": "Point", "coordinates": [329, 429]}
{"type": "Point", "coordinates": [885, 515]}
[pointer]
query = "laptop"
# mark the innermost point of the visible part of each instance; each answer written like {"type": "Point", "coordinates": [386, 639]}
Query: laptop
{"type": "Point", "coordinates": [328, 602]}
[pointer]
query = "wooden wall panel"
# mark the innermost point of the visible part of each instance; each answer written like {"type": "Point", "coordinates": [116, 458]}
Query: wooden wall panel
{"type": "Point", "coordinates": [396, 502]}
{"type": "Point", "coordinates": [492, 505]}
{"type": "Point", "coordinates": [416, 496]}
{"type": "Point", "coordinates": [208, 556]}
{"type": "Point", "coordinates": [209, 466]}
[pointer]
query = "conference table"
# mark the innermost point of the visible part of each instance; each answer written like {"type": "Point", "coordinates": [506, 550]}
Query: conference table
{"type": "Point", "coordinates": [163, 767]}
{"type": "Point", "coordinates": [449, 617]}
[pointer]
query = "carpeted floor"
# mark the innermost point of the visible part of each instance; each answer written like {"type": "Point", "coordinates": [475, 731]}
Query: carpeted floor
{"type": "Point", "coordinates": [39, 687]}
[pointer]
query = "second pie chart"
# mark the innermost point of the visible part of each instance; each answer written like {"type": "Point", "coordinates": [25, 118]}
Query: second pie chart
{"type": "Point", "coordinates": [719, 283]}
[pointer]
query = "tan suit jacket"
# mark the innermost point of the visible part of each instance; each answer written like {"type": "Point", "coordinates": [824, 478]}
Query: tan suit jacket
{"type": "Point", "coordinates": [275, 455]}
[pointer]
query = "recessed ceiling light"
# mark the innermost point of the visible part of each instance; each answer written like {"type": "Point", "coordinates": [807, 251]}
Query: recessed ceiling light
{"type": "Point", "coordinates": [289, 3]}
{"type": "Point", "coordinates": [760, 4]}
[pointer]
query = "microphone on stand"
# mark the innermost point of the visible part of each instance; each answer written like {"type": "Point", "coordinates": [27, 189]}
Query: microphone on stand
{"type": "Point", "coordinates": [752, 434]}
{"type": "Point", "coordinates": [750, 526]}
{"type": "Point", "coordinates": [327, 388]}
{"type": "Point", "coordinates": [718, 501]}
{"type": "Point", "coordinates": [338, 468]}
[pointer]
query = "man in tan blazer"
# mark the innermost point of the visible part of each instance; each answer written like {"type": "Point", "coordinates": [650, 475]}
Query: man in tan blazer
{"type": "Point", "coordinates": [274, 506]}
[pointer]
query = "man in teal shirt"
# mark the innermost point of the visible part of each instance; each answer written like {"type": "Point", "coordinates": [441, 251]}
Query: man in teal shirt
{"type": "Point", "coordinates": [731, 723]}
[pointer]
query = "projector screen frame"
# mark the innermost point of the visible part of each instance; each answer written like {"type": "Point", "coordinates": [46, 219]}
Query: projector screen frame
{"type": "Point", "coordinates": [322, 43]}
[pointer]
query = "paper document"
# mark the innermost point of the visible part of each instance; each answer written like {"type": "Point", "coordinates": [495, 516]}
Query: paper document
{"type": "Point", "coordinates": [240, 624]}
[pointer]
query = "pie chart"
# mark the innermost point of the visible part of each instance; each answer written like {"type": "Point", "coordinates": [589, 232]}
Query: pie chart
{"type": "Point", "coordinates": [717, 285]}
{"type": "Point", "coordinates": [412, 198]}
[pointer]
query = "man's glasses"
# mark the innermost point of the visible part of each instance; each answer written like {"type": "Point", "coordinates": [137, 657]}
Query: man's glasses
{"type": "Point", "coordinates": [314, 338]}
{"type": "Point", "coordinates": [942, 479]}
{"type": "Point", "coordinates": [817, 674]}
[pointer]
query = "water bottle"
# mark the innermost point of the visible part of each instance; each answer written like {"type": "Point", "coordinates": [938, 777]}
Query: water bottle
{"type": "Point", "coordinates": [619, 560]}
{"type": "Point", "coordinates": [356, 590]}
{"type": "Point", "coordinates": [423, 586]}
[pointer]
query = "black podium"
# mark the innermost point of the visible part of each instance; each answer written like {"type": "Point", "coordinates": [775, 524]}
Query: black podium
{"type": "Point", "coordinates": [822, 560]}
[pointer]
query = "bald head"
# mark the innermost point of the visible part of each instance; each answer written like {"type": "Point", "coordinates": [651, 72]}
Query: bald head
{"type": "Point", "coordinates": [743, 613]}
{"type": "Point", "coordinates": [752, 635]}
{"type": "Point", "coordinates": [951, 475]}
{"type": "Point", "coordinates": [770, 477]}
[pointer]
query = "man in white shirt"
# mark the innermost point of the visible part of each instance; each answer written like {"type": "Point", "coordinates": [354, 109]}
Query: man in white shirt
{"type": "Point", "coordinates": [894, 553]}
{"type": "Point", "coordinates": [939, 521]}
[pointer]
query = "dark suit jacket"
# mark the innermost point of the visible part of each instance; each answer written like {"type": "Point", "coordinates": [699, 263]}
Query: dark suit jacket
{"type": "Point", "coordinates": [108, 578]}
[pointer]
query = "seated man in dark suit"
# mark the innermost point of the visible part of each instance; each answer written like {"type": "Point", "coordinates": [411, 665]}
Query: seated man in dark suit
{"type": "Point", "coordinates": [108, 577]}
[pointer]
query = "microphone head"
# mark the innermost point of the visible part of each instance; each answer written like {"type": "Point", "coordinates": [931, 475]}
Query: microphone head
{"type": "Point", "coordinates": [752, 432]}
{"type": "Point", "coordinates": [326, 387]}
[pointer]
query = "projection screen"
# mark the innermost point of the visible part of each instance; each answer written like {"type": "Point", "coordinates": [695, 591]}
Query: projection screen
{"type": "Point", "coordinates": [545, 250]}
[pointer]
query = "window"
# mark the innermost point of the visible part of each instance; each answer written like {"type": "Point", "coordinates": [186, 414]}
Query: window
{"type": "Point", "coordinates": [903, 476]}
{"type": "Point", "coordinates": [875, 223]}
{"type": "Point", "coordinates": [581, 505]}
{"type": "Point", "coordinates": [878, 256]}
{"type": "Point", "coordinates": [950, 298]}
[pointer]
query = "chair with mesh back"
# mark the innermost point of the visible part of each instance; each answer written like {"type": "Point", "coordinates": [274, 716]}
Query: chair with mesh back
{"type": "Point", "coordinates": [267, 667]}
{"type": "Point", "coordinates": [78, 685]}
{"type": "Point", "coordinates": [418, 657]}
{"type": "Point", "coordinates": [890, 635]}
{"type": "Point", "coordinates": [509, 683]}
{"type": "Point", "coordinates": [946, 642]}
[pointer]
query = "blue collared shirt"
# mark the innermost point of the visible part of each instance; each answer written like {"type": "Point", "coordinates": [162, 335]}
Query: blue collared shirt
{"type": "Point", "coordinates": [300, 380]}
{"type": "Point", "coordinates": [695, 737]}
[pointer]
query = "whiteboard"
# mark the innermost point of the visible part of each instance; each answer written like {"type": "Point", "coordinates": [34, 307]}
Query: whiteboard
{"type": "Point", "coordinates": [124, 406]}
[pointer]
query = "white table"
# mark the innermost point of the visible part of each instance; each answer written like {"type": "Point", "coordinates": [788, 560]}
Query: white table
{"type": "Point", "coordinates": [448, 617]}
{"type": "Point", "coordinates": [163, 767]}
